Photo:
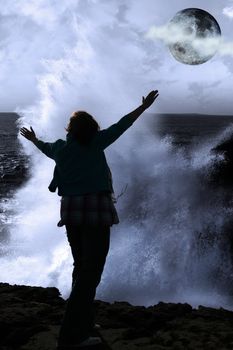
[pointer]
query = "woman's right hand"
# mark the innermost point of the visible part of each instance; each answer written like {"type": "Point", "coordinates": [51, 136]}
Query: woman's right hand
{"type": "Point", "coordinates": [150, 98]}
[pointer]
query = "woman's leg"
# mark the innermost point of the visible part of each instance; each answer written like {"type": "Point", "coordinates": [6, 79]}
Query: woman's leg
{"type": "Point", "coordinates": [75, 239]}
{"type": "Point", "coordinates": [79, 317]}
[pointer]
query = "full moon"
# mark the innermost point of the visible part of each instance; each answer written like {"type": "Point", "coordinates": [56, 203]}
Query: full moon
{"type": "Point", "coordinates": [195, 36]}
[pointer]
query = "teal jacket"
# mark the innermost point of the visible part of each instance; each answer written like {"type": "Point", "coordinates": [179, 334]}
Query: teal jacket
{"type": "Point", "coordinates": [83, 169]}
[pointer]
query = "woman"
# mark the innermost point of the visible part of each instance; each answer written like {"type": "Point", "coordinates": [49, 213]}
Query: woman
{"type": "Point", "coordinates": [83, 179]}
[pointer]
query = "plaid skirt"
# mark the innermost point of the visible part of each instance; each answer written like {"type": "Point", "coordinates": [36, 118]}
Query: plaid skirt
{"type": "Point", "coordinates": [89, 209]}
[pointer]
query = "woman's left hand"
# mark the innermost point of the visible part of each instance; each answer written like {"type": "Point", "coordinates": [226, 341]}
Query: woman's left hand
{"type": "Point", "coordinates": [29, 135]}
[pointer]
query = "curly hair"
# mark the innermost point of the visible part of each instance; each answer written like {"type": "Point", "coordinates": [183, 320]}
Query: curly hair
{"type": "Point", "coordinates": [83, 127]}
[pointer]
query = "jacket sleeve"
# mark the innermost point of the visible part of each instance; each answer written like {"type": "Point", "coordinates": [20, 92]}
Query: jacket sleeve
{"type": "Point", "coordinates": [48, 148]}
{"type": "Point", "coordinates": [107, 136]}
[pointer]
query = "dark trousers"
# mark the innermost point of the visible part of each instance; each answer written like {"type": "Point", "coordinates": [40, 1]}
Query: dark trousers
{"type": "Point", "coordinates": [89, 247]}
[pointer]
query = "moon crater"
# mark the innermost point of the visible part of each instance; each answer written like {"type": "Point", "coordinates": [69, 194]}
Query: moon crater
{"type": "Point", "coordinates": [194, 36]}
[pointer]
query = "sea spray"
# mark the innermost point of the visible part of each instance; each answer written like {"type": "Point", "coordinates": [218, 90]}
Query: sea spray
{"type": "Point", "coordinates": [168, 245]}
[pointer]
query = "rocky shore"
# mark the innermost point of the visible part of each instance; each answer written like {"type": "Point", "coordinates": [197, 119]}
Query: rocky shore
{"type": "Point", "coordinates": [30, 319]}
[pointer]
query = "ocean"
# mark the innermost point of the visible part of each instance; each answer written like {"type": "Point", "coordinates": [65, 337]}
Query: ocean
{"type": "Point", "coordinates": [189, 129]}
{"type": "Point", "coordinates": [13, 165]}
{"type": "Point", "coordinates": [13, 171]}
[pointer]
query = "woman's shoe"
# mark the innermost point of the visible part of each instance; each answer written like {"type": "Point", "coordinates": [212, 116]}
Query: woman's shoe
{"type": "Point", "coordinates": [90, 341]}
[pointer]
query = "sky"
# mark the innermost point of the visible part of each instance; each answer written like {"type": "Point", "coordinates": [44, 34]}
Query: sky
{"type": "Point", "coordinates": [39, 39]}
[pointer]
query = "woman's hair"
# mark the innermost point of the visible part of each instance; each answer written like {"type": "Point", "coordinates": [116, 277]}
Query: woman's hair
{"type": "Point", "coordinates": [83, 127]}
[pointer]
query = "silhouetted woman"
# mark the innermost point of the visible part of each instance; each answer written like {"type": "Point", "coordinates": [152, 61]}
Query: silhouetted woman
{"type": "Point", "coordinates": [83, 179]}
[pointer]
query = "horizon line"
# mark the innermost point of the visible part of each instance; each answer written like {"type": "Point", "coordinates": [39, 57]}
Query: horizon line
{"type": "Point", "coordinates": [158, 113]}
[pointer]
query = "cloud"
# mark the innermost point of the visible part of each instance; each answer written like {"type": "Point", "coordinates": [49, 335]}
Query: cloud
{"type": "Point", "coordinates": [172, 34]}
{"type": "Point", "coordinates": [228, 11]}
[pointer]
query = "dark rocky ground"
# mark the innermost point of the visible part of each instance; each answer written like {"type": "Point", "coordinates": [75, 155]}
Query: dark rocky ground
{"type": "Point", "coordinates": [30, 319]}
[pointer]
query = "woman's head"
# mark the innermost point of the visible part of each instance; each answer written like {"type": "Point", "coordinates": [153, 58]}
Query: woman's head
{"type": "Point", "coordinates": [83, 127]}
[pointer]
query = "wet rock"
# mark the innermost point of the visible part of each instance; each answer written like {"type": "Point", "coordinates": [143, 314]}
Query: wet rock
{"type": "Point", "coordinates": [31, 317]}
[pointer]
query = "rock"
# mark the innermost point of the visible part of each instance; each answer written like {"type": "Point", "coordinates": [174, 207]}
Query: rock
{"type": "Point", "coordinates": [31, 318]}
{"type": "Point", "coordinates": [26, 311]}
{"type": "Point", "coordinates": [222, 170]}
